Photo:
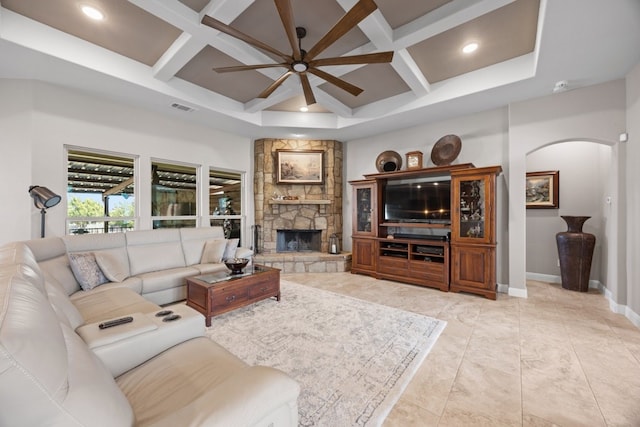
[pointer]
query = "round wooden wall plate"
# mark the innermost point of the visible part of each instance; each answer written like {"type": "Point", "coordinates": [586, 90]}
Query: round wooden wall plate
{"type": "Point", "coordinates": [446, 150]}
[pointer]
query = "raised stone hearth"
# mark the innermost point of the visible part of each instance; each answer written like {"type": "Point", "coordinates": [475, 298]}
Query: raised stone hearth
{"type": "Point", "coordinates": [306, 262]}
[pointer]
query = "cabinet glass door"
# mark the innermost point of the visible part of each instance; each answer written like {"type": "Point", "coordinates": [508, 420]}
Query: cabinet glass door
{"type": "Point", "coordinates": [472, 221]}
{"type": "Point", "coordinates": [364, 210]}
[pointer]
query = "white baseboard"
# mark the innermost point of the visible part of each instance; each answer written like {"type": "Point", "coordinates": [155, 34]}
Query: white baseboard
{"type": "Point", "coordinates": [594, 284]}
{"type": "Point", "coordinates": [632, 316]}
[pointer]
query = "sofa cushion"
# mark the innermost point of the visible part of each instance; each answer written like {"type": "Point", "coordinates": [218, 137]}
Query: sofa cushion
{"type": "Point", "coordinates": [230, 249]}
{"type": "Point", "coordinates": [59, 269]}
{"type": "Point", "coordinates": [86, 270]}
{"type": "Point", "coordinates": [18, 256]}
{"type": "Point", "coordinates": [213, 251]}
{"type": "Point", "coordinates": [154, 250]}
{"type": "Point", "coordinates": [47, 248]}
{"type": "Point", "coordinates": [114, 263]}
{"type": "Point", "coordinates": [155, 281]}
{"type": "Point", "coordinates": [193, 240]}
{"type": "Point", "coordinates": [59, 300]}
{"type": "Point", "coordinates": [110, 303]}
{"type": "Point", "coordinates": [210, 268]}
{"type": "Point", "coordinates": [200, 383]}
{"type": "Point", "coordinates": [94, 242]}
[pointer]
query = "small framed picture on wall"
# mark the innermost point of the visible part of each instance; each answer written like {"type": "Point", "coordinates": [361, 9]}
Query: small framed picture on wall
{"type": "Point", "coordinates": [543, 190]}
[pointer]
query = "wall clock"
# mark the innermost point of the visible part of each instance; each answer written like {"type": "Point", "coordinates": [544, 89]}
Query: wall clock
{"type": "Point", "coordinates": [414, 160]}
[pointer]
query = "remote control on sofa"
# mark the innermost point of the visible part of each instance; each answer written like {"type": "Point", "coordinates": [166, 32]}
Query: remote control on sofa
{"type": "Point", "coordinates": [115, 322]}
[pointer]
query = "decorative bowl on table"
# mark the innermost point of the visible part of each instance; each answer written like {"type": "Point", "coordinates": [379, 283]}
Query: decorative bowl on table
{"type": "Point", "coordinates": [236, 264]}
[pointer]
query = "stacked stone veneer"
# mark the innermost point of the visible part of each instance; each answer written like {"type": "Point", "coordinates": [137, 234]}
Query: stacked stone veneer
{"type": "Point", "coordinates": [324, 210]}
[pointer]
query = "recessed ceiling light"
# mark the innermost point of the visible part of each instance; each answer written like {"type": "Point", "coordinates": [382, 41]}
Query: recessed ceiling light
{"type": "Point", "coordinates": [470, 47]}
{"type": "Point", "coordinates": [304, 109]}
{"type": "Point", "coordinates": [92, 13]}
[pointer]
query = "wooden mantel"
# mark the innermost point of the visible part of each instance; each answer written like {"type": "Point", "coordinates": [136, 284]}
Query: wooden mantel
{"type": "Point", "coordinates": [300, 202]}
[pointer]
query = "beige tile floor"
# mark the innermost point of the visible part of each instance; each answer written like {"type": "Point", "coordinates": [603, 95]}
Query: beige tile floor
{"type": "Point", "coordinates": [557, 358]}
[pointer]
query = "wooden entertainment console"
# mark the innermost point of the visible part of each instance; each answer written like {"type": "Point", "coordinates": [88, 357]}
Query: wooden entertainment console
{"type": "Point", "coordinates": [402, 251]}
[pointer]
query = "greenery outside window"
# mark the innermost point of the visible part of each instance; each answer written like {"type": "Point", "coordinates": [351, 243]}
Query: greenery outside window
{"type": "Point", "coordinates": [225, 201]}
{"type": "Point", "coordinates": [173, 195]}
{"type": "Point", "coordinates": [100, 192]}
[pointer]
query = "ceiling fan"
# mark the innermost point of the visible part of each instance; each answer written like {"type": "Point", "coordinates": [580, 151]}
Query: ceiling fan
{"type": "Point", "coordinates": [301, 62]}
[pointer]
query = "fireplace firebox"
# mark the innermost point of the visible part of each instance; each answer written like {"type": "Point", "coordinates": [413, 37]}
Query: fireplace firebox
{"type": "Point", "coordinates": [298, 240]}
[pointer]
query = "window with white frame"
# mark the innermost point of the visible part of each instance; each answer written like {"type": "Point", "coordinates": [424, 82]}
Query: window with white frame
{"type": "Point", "coordinates": [174, 189]}
{"type": "Point", "coordinates": [225, 201]}
{"type": "Point", "coordinates": [100, 192]}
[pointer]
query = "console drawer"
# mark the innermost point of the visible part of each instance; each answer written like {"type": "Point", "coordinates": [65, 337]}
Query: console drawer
{"type": "Point", "coordinates": [265, 288]}
{"type": "Point", "coordinates": [393, 265]}
{"type": "Point", "coordinates": [229, 297]}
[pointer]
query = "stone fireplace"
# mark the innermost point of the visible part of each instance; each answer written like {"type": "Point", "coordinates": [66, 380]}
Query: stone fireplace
{"type": "Point", "coordinates": [300, 208]}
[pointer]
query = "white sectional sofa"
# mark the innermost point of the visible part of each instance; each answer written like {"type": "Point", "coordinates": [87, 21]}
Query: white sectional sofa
{"type": "Point", "coordinates": [57, 367]}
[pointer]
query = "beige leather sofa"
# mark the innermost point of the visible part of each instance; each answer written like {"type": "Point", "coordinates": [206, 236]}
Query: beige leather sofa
{"type": "Point", "coordinates": [57, 367]}
{"type": "Point", "coordinates": [154, 263]}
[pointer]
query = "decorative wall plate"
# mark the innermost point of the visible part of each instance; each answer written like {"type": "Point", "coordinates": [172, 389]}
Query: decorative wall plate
{"type": "Point", "coordinates": [446, 150]}
{"type": "Point", "coordinates": [388, 161]}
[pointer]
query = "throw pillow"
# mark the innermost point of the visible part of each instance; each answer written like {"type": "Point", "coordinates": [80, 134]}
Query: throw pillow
{"type": "Point", "coordinates": [230, 249]}
{"type": "Point", "coordinates": [213, 251]}
{"type": "Point", "coordinates": [114, 263]}
{"type": "Point", "coordinates": [86, 270]}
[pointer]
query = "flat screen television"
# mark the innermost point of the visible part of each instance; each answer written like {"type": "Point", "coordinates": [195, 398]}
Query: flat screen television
{"type": "Point", "coordinates": [426, 200]}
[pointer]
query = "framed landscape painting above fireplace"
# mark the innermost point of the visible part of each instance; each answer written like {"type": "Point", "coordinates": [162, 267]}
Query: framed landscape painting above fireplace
{"type": "Point", "coordinates": [300, 166]}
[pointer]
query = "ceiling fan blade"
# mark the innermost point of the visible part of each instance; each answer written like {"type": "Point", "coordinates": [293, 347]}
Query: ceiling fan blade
{"type": "Point", "coordinates": [369, 58]}
{"type": "Point", "coordinates": [357, 13]}
{"type": "Point", "coordinates": [247, 67]}
{"type": "Point", "coordinates": [286, 15]}
{"type": "Point", "coordinates": [353, 90]}
{"type": "Point", "coordinates": [268, 91]}
{"type": "Point", "coordinates": [306, 88]}
{"type": "Point", "coordinates": [220, 26]}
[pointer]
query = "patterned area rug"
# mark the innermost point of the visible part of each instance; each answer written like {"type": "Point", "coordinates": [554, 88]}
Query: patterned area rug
{"type": "Point", "coordinates": [351, 357]}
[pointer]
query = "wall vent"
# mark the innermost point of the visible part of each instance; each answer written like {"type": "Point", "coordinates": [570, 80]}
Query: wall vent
{"type": "Point", "coordinates": [183, 107]}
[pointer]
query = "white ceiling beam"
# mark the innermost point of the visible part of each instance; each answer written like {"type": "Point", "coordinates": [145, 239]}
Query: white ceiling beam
{"type": "Point", "coordinates": [225, 10]}
{"type": "Point", "coordinates": [183, 49]}
{"type": "Point", "coordinates": [442, 19]}
{"type": "Point", "coordinates": [280, 95]}
{"type": "Point", "coordinates": [332, 104]}
{"type": "Point", "coordinates": [409, 71]}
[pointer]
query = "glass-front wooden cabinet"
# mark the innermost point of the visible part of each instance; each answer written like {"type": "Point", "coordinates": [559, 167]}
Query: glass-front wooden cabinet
{"type": "Point", "coordinates": [364, 228]}
{"type": "Point", "coordinates": [472, 209]}
{"type": "Point", "coordinates": [365, 221]}
{"type": "Point", "coordinates": [473, 230]}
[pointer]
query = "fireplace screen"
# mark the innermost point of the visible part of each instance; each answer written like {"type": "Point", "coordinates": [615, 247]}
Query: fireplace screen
{"type": "Point", "coordinates": [299, 241]}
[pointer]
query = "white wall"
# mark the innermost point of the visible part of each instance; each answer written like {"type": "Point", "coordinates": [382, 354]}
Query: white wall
{"type": "Point", "coordinates": [15, 169]}
{"type": "Point", "coordinates": [584, 176]}
{"type": "Point", "coordinates": [60, 117]}
{"type": "Point", "coordinates": [484, 143]}
{"type": "Point", "coordinates": [631, 154]}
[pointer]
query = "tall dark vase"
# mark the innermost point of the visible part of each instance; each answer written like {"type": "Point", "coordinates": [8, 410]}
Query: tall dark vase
{"type": "Point", "coordinates": [575, 249]}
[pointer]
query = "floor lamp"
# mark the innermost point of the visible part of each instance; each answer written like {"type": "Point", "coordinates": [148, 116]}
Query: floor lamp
{"type": "Point", "coordinates": [43, 198]}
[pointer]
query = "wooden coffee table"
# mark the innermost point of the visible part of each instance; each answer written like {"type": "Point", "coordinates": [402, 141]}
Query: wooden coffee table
{"type": "Point", "coordinates": [220, 292]}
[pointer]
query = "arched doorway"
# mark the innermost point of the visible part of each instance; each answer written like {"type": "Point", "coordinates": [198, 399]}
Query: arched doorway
{"type": "Point", "coordinates": [586, 187]}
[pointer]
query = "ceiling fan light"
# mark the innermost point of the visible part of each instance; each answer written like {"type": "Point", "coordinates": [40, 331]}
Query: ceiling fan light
{"type": "Point", "coordinates": [304, 109]}
{"type": "Point", "coordinates": [92, 13]}
{"type": "Point", "coordinates": [299, 66]}
{"type": "Point", "coordinates": [470, 47]}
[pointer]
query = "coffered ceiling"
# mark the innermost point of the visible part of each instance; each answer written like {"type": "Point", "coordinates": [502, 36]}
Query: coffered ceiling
{"type": "Point", "coordinates": [157, 54]}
